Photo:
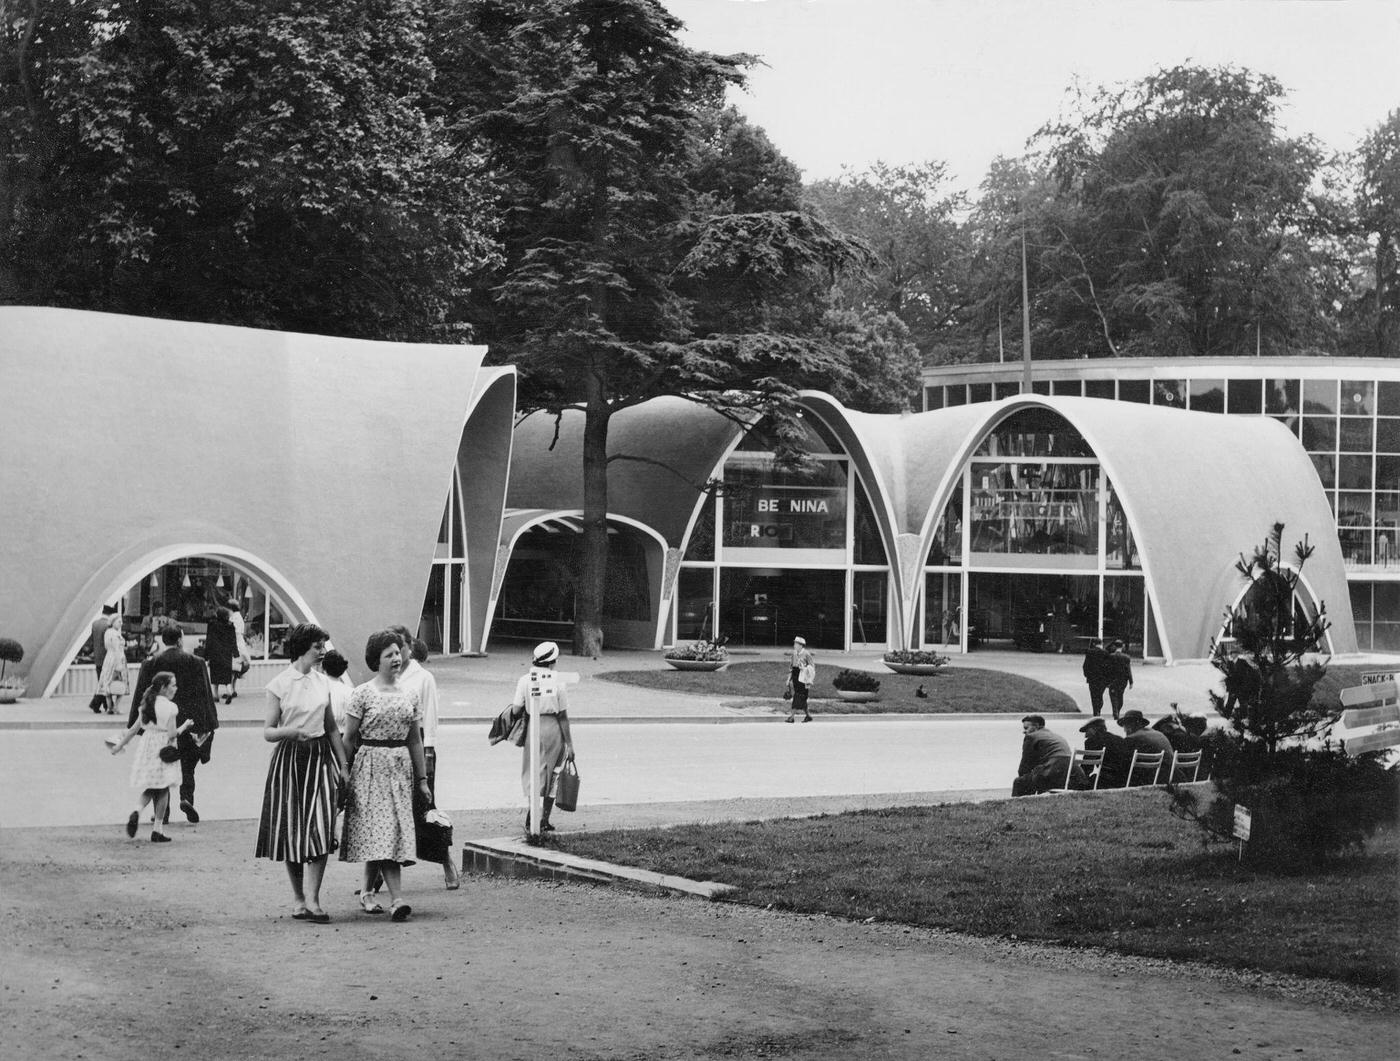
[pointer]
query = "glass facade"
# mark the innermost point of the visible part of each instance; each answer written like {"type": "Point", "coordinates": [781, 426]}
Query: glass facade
{"type": "Point", "coordinates": [798, 551]}
{"type": "Point", "coordinates": [1349, 425]}
{"type": "Point", "coordinates": [1047, 562]}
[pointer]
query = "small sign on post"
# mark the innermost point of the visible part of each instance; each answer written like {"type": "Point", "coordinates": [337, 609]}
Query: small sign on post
{"type": "Point", "coordinates": [1241, 822]}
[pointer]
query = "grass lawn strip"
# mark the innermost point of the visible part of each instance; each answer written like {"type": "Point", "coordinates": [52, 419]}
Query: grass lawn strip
{"type": "Point", "coordinates": [954, 690]}
{"type": "Point", "coordinates": [1109, 870]}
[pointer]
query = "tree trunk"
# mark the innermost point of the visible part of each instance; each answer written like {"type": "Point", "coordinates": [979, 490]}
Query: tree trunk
{"type": "Point", "coordinates": [593, 569]}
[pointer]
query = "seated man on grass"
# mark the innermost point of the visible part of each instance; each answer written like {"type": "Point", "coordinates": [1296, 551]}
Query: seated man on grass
{"type": "Point", "coordinates": [1045, 759]}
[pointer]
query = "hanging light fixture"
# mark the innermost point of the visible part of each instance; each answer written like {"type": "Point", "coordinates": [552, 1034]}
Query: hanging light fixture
{"type": "Point", "coordinates": [186, 580]}
{"type": "Point", "coordinates": [155, 582]}
{"type": "Point", "coordinates": [220, 580]}
{"type": "Point", "coordinates": [248, 591]}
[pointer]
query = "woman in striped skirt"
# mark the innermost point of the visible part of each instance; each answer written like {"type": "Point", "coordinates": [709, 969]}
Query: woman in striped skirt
{"type": "Point", "coordinates": [297, 826]}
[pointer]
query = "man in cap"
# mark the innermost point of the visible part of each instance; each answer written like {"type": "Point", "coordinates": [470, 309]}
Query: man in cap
{"type": "Point", "coordinates": [1045, 760]}
{"type": "Point", "coordinates": [1120, 676]}
{"type": "Point", "coordinates": [1116, 753]}
{"type": "Point", "coordinates": [1139, 737]}
{"type": "Point", "coordinates": [801, 675]}
{"type": "Point", "coordinates": [542, 687]}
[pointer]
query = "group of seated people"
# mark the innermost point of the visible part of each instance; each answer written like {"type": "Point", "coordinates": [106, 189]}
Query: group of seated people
{"type": "Point", "coordinates": [1046, 757]}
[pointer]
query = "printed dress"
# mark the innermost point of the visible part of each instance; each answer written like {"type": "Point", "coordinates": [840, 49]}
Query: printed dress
{"type": "Point", "coordinates": [147, 771]}
{"type": "Point", "coordinates": [379, 812]}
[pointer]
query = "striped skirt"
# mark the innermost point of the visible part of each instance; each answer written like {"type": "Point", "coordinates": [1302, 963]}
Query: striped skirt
{"type": "Point", "coordinates": [299, 802]}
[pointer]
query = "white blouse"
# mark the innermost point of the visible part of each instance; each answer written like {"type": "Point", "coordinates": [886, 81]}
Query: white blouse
{"type": "Point", "coordinates": [302, 700]}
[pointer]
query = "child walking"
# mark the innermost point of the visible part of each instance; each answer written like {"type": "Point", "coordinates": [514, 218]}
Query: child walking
{"type": "Point", "coordinates": [150, 774]}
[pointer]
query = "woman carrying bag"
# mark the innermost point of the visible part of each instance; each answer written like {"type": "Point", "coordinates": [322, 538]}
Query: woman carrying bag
{"type": "Point", "coordinates": [541, 685]}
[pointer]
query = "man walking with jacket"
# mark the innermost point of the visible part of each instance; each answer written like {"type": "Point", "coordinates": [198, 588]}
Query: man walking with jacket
{"type": "Point", "coordinates": [195, 700]}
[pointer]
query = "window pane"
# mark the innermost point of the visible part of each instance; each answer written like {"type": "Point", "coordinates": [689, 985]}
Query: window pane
{"type": "Point", "coordinates": [1169, 392]}
{"type": "Point", "coordinates": [1387, 435]}
{"type": "Point", "coordinates": [1388, 473]}
{"type": "Point", "coordinates": [1354, 509]}
{"type": "Point", "coordinates": [956, 395]}
{"type": "Point", "coordinates": [1208, 395]}
{"type": "Point", "coordinates": [933, 397]}
{"type": "Point", "coordinates": [1072, 387]}
{"type": "Point", "coordinates": [1358, 435]}
{"type": "Point", "coordinates": [1356, 546]}
{"type": "Point", "coordinates": [1319, 434]}
{"type": "Point", "coordinates": [1358, 397]}
{"type": "Point", "coordinates": [1135, 390]}
{"type": "Point", "coordinates": [946, 547]}
{"type": "Point", "coordinates": [1281, 396]}
{"type": "Point", "coordinates": [1246, 396]}
{"type": "Point", "coordinates": [1319, 396]}
{"type": "Point", "coordinates": [1354, 473]}
{"type": "Point", "coordinates": [695, 618]}
{"type": "Point", "coordinates": [1008, 390]}
{"type": "Point", "coordinates": [1098, 388]}
{"type": "Point", "coordinates": [1326, 466]}
{"type": "Point", "coordinates": [1040, 386]}
{"type": "Point", "coordinates": [1388, 399]}
{"type": "Point", "coordinates": [980, 392]}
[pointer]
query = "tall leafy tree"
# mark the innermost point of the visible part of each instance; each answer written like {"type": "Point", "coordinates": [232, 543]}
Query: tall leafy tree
{"type": "Point", "coordinates": [911, 220]}
{"type": "Point", "coordinates": [260, 162]}
{"type": "Point", "coordinates": [636, 264]}
{"type": "Point", "coordinates": [1378, 221]}
{"type": "Point", "coordinates": [1185, 223]}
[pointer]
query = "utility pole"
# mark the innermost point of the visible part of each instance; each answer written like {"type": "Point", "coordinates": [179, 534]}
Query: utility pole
{"type": "Point", "coordinates": [1025, 317]}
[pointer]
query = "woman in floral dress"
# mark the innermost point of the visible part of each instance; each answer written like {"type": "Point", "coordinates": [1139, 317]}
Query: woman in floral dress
{"type": "Point", "coordinates": [386, 749]}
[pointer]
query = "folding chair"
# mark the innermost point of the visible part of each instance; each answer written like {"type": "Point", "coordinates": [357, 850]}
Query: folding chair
{"type": "Point", "coordinates": [1091, 762]}
{"type": "Point", "coordinates": [1144, 761]}
{"type": "Point", "coordinates": [1184, 763]}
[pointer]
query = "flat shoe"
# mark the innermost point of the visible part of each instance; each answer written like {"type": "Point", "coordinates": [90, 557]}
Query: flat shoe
{"type": "Point", "coordinates": [191, 815]}
{"type": "Point", "coordinates": [131, 823]}
{"type": "Point", "coordinates": [322, 918]}
{"type": "Point", "coordinates": [400, 911]}
{"type": "Point", "coordinates": [369, 904]}
{"type": "Point", "coordinates": [302, 915]}
{"type": "Point", "coordinates": [159, 838]}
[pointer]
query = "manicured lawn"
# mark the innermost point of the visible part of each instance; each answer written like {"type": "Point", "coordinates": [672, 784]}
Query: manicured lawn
{"type": "Point", "coordinates": [1111, 870]}
{"type": "Point", "coordinates": [953, 690]}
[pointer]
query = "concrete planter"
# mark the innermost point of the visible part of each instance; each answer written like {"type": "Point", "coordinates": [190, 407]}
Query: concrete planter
{"type": "Point", "coordinates": [857, 696]}
{"type": "Point", "coordinates": [914, 668]}
{"type": "Point", "coordinates": [698, 664]}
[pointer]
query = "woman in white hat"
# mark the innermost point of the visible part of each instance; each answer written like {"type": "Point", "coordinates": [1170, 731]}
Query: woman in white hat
{"type": "Point", "coordinates": [803, 672]}
{"type": "Point", "coordinates": [556, 742]}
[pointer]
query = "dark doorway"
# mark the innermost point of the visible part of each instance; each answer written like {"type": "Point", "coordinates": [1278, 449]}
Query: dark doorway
{"type": "Point", "coordinates": [771, 606]}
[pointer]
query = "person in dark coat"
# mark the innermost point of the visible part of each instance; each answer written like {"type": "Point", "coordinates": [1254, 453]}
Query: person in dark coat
{"type": "Point", "coordinates": [1097, 665]}
{"type": "Point", "coordinates": [220, 648]}
{"type": "Point", "coordinates": [195, 701]}
{"type": "Point", "coordinates": [1120, 676]}
{"type": "Point", "coordinates": [1140, 737]}
{"type": "Point", "coordinates": [1045, 761]}
{"type": "Point", "coordinates": [1116, 753]}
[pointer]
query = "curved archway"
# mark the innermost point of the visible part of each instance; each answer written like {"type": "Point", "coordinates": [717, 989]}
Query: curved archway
{"type": "Point", "coordinates": [120, 574]}
{"type": "Point", "coordinates": [533, 598]}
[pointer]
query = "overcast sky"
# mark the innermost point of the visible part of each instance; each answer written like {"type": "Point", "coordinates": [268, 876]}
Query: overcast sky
{"type": "Point", "coordinates": [848, 82]}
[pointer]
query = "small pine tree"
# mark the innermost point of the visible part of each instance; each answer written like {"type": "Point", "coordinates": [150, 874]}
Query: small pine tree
{"type": "Point", "coordinates": [1308, 803]}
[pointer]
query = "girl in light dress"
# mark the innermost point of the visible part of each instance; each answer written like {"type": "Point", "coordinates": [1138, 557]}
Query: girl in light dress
{"type": "Point", "coordinates": [151, 776]}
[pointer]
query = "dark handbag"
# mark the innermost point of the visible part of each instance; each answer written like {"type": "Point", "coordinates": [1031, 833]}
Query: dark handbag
{"type": "Point", "coordinates": [787, 690]}
{"type": "Point", "coordinates": [566, 787]}
{"type": "Point", "coordinates": [169, 754]}
{"type": "Point", "coordinates": [432, 839]}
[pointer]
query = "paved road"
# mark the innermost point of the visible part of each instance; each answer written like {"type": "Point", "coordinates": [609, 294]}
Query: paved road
{"type": "Point", "coordinates": [66, 776]}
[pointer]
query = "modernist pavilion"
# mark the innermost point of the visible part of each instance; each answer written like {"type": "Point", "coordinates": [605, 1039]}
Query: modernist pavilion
{"type": "Point", "coordinates": [170, 466]}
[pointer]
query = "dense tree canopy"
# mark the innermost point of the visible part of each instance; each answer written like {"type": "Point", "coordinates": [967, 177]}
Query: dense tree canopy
{"type": "Point", "coordinates": [261, 162]}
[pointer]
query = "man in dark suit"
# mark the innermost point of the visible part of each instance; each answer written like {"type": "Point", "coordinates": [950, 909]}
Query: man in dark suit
{"type": "Point", "coordinates": [1097, 665]}
{"type": "Point", "coordinates": [98, 703]}
{"type": "Point", "coordinates": [195, 700]}
{"type": "Point", "coordinates": [1116, 753]}
{"type": "Point", "coordinates": [1045, 761]}
{"type": "Point", "coordinates": [1138, 736]}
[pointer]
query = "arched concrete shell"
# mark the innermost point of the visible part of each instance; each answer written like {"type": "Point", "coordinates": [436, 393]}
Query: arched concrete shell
{"type": "Point", "coordinates": [320, 465]}
{"type": "Point", "coordinates": [667, 450]}
{"type": "Point", "coordinates": [1198, 490]}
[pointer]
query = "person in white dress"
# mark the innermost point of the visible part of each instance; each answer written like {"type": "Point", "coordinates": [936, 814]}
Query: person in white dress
{"type": "Point", "coordinates": [240, 640]}
{"type": "Point", "coordinates": [152, 776]}
{"type": "Point", "coordinates": [111, 683]}
{"type": "Point", "coordinates": [542, 685]}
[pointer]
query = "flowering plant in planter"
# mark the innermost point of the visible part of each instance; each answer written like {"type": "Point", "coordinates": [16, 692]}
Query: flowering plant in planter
{"type": "Point", "coordinates": [856, 681]}
{"type": "Point", "coordinates": [699, 651]}
{"type": "Point", "coordinates": [916, 657]}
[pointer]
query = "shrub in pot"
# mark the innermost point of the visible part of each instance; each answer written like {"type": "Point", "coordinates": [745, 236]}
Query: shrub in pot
{"type": "Point", "coordinates": [912, 657]}
{"type": "Point", "coordinates": [699, 652]}
{"type": "Point", "coordinates": [11, 687]}
{"type": "Point", "coordinates": [856, 681]}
